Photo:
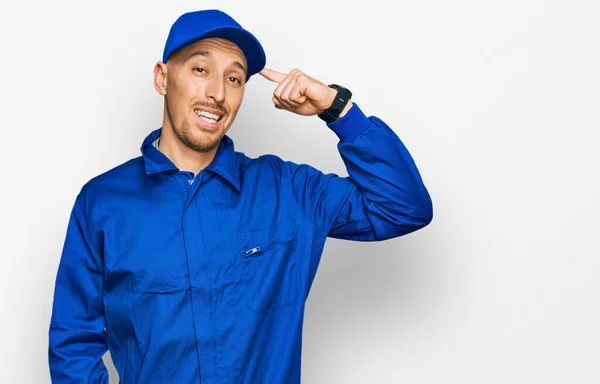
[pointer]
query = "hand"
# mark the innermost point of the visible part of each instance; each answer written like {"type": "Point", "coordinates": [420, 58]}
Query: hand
{"type": "Point", "coordinates": [299, 93]}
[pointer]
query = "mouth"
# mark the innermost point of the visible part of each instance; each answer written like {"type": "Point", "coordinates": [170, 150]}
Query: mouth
{"type": "Point", "coordinates": [209, 118]}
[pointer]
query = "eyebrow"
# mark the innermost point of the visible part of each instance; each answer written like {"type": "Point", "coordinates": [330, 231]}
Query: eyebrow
{"type": "Point", "coordinates": [209, 54]}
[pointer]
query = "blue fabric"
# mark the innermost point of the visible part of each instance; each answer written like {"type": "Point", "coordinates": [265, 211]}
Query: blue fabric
{"type": "Point", "coordinates": [204, 280]}
{"type": "Point", "coordinates": [197, 25]}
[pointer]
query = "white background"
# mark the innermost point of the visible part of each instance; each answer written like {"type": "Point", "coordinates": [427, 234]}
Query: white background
{"type": "Point", "coordinates": [498, 102]}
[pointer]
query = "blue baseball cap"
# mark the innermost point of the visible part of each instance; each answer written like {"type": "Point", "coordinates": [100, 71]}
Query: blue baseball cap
{"type": "Point", "coordinates": [197, 25]}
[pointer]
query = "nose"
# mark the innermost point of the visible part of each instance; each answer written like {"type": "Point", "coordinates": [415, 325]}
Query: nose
{"type": "Point", "coordinates": [215, 89]}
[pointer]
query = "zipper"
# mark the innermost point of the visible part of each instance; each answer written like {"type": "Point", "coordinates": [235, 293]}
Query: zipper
{"type": "Point", "coordinates": [252, 251]}
{"type": "Point", "coordinates": [258, 248]}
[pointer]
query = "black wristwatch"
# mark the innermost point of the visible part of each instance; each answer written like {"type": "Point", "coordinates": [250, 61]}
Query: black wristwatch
{"type": "Point", "coordinates": [340, 101]}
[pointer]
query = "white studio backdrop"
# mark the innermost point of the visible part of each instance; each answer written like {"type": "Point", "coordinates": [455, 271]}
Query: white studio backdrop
{"type": "Point", "coordinates": [497, 101]}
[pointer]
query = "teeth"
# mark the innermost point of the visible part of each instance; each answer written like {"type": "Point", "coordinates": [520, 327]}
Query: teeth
{"type": "Point", "coordinates": [209, 115]}
{"type": "Point", "coordinates": [210, 121]}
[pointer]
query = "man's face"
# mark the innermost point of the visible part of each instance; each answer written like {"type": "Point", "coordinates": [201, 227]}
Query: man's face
{"type": "Point", "coordinates": [203, 86]}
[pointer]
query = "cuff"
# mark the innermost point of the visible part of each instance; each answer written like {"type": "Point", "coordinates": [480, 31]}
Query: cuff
{"type": "Point", "coordinates": [351, 125]}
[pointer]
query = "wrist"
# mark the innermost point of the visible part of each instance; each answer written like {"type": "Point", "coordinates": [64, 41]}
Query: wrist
{"type": "Point", "coordinates": [339, 101]}
{"type": "Point", "coordinates": [346, 109]}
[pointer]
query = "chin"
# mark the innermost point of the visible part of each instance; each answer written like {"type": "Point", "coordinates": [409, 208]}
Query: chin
{"type": "Point", "coordinates": [204, 141]}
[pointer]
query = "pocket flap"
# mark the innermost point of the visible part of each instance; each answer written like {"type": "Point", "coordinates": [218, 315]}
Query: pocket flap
{"type": "Point", "coordinates": [253, 241]}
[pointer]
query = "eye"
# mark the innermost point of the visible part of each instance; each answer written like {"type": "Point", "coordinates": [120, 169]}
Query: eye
{"type": "Point", "coordinates": [235, 80]}
{"type": "Point", "coordinates": [199, 70]}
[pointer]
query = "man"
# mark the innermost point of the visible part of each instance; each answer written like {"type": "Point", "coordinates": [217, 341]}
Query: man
{"type": "Point", "coordinates": [192, 263]}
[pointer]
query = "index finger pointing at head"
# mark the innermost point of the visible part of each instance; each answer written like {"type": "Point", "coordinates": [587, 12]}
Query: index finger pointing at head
{"type": "Point", "coordinates": [272, 75]}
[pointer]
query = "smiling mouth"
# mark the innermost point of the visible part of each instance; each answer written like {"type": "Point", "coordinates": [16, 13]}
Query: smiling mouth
{"type": "Point", "coordinates": [208, 117]}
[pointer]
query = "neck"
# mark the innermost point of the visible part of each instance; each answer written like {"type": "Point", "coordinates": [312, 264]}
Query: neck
{"type": "Point", "coordinates": [184, 157]}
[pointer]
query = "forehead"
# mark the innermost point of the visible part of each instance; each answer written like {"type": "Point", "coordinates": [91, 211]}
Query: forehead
{"type": "Point", "coordinates": [216, 46]}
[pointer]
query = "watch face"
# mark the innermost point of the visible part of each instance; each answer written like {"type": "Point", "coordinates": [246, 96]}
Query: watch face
{"type": "Point", "coordinates": [340, 101]}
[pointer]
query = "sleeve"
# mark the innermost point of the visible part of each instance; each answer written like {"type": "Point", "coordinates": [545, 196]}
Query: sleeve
{"type": "Point", "coordinates": [77, 338]}
{"type": "Point", "coordinates": [383, 196]}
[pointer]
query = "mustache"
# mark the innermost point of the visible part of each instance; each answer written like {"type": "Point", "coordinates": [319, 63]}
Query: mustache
{"type": "Point", "coordinates": [219, 107]}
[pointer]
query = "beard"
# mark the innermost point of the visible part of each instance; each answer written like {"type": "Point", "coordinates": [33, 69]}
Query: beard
{"type": "Point", "coordinates": [193, 139]}
{"type": "Point", "coordinates": [196, 141]}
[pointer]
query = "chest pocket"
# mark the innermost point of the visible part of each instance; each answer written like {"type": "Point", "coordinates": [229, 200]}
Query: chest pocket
{"type": "Point", "coordinates": [269, 266]}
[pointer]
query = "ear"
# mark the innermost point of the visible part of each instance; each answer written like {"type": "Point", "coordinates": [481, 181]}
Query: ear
{"type": "Point", "coordinates": [160, 78]}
